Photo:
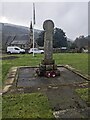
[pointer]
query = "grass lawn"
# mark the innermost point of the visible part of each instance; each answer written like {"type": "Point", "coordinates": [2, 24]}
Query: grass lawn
{"type": "Point", "coordinates": [83, 93]}
{"type": "Point", "coordinates": [76, 60]}
{"type": "Point", "coordinates": [33, 105]}
{"type": "Point", "coordinates": [36, 105]}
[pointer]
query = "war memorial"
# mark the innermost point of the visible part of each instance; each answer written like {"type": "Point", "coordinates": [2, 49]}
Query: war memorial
{"type": "Point", "coordinates": [57, 82]}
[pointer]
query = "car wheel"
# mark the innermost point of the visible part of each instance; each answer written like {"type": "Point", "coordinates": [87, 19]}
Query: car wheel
{"type": "Point", "coordinates": [9, 52]}
{"type": "Point", "coordinates": [23, 52]}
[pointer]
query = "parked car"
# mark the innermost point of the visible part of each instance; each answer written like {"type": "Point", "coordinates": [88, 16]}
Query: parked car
{"type": "Point", "coordinates": [14, 49]}
{"type": "Point", "coordinates": [35, 50]}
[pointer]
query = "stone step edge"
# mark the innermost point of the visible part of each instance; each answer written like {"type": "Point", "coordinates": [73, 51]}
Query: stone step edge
{"type": "Point", "coordinates": [76, 72]}
{"type": "Point", "coordinates": [10, 80]}
{"type": "Point", "coordinates": [57, 113]}
{"type": "Point", "coordinates": [14, 70]}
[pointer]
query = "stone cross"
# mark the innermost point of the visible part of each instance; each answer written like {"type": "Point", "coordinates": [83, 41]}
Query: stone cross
{"type": "Point", "coordinates": [48, 67]}
{"type": "Point", "coordinates": [48, 26]}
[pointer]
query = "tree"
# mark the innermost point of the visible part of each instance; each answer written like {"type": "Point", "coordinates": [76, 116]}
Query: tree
{"type": "Point", "coordinates": [81, 42]}
{"type": "Point", "coordinates": [60, 39]}
{"type": "Point", "coordinates": [73, 46]}
{"type": "Point", "coordinates": [40, 39]}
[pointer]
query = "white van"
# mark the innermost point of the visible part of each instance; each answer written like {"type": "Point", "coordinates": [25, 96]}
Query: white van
{"type": "Point", "coordinates": [14, 49]}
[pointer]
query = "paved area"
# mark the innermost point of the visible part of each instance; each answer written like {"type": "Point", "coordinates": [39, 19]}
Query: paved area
{"type": "Point", "coordinates": [27, 78]}
{"type": "Point", "coordinates": [60, 91]}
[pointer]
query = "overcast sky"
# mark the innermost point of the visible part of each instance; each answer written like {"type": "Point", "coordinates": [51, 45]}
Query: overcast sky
{"type": "Point", "coordinates": [72, 17]}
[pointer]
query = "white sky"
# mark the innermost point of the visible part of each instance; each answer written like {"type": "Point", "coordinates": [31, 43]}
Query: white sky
{"type": "Point", "coordinates": [72, 17]}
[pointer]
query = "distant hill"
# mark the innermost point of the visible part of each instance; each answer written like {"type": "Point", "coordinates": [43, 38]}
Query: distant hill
{"type": "Point", "coordinates": [15, 29]}
{"type": "Point", "coordinates": [12, 32]}
{"type": "Point", "coordinates": [11, 29]}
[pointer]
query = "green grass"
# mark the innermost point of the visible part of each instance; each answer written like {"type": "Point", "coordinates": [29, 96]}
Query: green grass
{"type": "Point", "coordinates": [22, 60]}
{"type": "Point", "coordinates": [33, 105]}
{"type": "Point", "coordinates": [76, 60]}
{"type": "Point", "coordinates": [36, 105]}
{"type": "Point", "coordinates": [83, 93]}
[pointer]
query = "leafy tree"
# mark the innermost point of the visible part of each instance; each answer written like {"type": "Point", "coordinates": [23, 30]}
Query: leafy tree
{"type": "Point", "coordinates": [73, 46]}
{"type": "Point", "coordinates": [59, 39]}
{"type": "Point", "coordinates": [40, 39]}
{"type": "Point", "coordinates": [81, 42]}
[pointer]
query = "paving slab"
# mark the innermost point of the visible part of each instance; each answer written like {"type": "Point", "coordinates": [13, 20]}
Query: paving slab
{"type": "Point", "coordinates": [72, 113]}
{"type": "Point", "coordinates": [27, 78]}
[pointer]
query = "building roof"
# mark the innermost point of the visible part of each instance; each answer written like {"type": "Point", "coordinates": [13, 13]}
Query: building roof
{"type": "Point", "coordinates": [19, 42]}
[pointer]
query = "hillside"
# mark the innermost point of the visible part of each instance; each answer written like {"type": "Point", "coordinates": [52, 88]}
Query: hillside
{"type": "Point", "coordinates": [12, 32]}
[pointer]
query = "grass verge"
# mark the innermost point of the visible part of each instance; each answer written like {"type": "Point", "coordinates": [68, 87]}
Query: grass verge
{"type": "Point", "coordinates": [33, 105]}
{"type": "Point", "coordinates": [83, 93]}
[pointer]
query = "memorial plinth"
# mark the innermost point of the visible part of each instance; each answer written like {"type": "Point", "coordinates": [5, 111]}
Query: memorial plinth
{"type": "Point", "coordinates": [48, 67]}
